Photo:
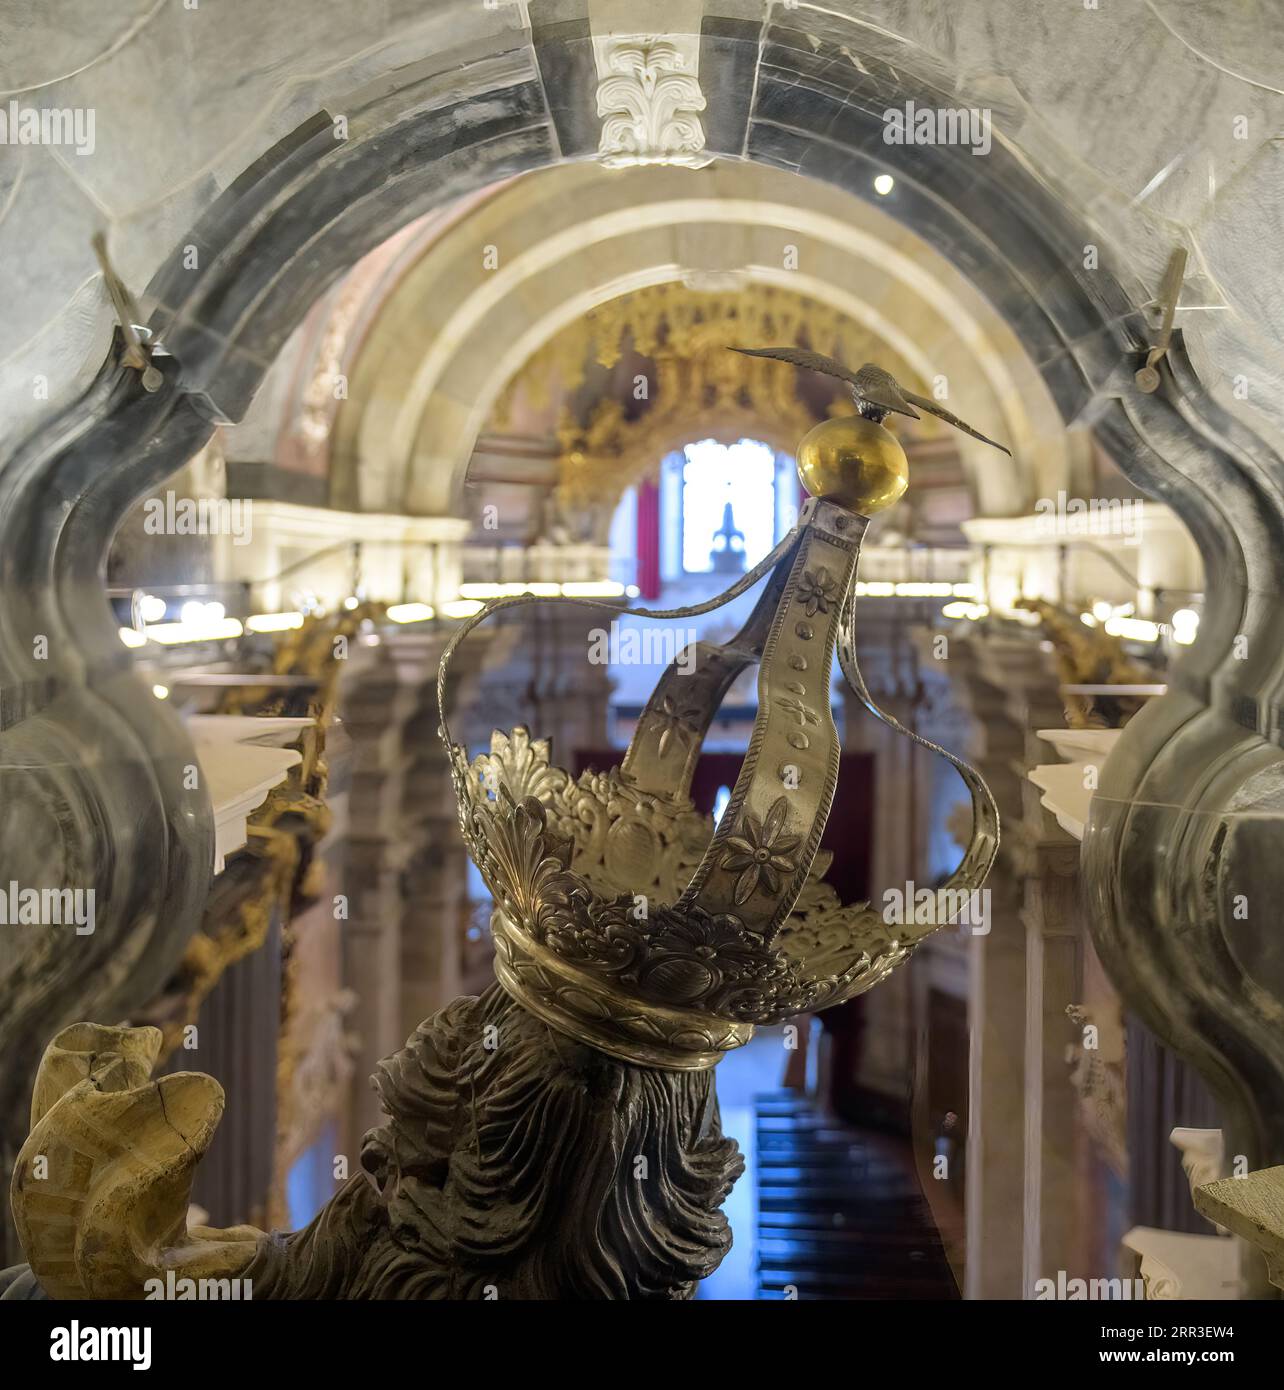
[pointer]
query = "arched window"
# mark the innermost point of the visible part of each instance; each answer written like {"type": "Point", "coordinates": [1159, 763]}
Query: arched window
{"type": "Point", "coordinates": [723, 506]}
{"type": "Point", "coordinates": [728, 505]}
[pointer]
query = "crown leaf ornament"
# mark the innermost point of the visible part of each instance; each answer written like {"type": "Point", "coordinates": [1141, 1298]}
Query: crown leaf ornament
{"type": "Point", "coordinates": [624, 918]}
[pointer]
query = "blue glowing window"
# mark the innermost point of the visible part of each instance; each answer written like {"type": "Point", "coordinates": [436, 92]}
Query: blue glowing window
{"type": "Point", "coordinates": [713, 476]}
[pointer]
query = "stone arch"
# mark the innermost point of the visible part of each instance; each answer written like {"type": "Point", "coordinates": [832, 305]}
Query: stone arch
{"type": "Point", "coordinates": [806, 94]}
{"type": "Point", "coordinates": [448, 334]}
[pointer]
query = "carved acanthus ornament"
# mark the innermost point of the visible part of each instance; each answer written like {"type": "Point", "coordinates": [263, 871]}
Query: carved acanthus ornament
{"type": "Point", "coordinates": [649, 100]}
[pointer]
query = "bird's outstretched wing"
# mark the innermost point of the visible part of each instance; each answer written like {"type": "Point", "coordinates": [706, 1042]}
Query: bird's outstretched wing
{"type": "Point", "coordinates": [932, 408]}
{"type": "Point", "coordinates": [802, 357]}
{"type": "Point", "coordinates": [870, 384]}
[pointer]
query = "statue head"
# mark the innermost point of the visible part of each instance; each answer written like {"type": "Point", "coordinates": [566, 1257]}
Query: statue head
{"type": "Point", "coordinates": [517, 1163]}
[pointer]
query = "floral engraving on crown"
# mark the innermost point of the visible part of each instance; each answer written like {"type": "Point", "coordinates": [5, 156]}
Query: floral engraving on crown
{"type": "Point", "coordinates": [684, 725]}
{"type": "Point", "coordinates": [547, 858]}
{"type": "Point", "coordinates": [800, 712]}
{"type": "Point", "coordinates": [817, 590]}
{"type": "Point", "coordinates": [760, 854]}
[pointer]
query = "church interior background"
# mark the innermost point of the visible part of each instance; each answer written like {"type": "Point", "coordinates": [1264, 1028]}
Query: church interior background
{"type": "Point", "coordinates": [369, 315]}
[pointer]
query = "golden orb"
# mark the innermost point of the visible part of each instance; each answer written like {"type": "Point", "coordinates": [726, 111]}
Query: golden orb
{"type": "Point", "coordinates": [854, 462]}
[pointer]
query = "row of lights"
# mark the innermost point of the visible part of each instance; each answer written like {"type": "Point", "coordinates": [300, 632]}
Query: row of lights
{"type": "Point", "coordinates": [206, 622]}
{"type": "Point", "coordinates": [913, 588]}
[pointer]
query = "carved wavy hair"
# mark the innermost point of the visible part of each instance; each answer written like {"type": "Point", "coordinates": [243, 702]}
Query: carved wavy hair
{"type": "Point", "coordinates": [517, 1164]}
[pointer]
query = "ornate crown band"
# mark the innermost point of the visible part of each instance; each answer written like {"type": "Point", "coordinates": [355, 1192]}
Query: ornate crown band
{"type": "Point", "coordinates": [625, 918]}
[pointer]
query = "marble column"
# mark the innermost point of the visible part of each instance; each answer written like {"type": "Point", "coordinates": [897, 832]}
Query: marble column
{"type": "Point", "coordinates": [1008, 686]}
{"type": "Point", "coordinates": [1054, 983]}
{"type": "Point", "coordinates": [374, 707]}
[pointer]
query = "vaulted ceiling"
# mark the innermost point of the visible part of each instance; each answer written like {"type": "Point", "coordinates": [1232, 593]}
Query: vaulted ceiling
{"type": "Point", "coordinates": [430, 333]}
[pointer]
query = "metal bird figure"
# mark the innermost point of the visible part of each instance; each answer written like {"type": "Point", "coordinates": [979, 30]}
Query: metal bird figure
{"type": "Point", "coordinates": [876, 392]}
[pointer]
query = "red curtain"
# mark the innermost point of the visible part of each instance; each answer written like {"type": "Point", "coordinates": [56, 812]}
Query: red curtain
{"type": "Point", "coordinates": [648, 547]}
